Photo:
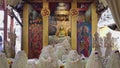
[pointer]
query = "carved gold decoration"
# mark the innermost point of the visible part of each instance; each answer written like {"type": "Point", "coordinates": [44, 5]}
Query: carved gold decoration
{"type": "Point", "coordinates": [74, 12]}
{"type": "Point", "coordinates": [45, 12]}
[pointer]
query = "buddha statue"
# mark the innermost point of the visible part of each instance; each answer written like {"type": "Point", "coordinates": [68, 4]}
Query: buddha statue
{"type": "Point", "coordinates": [61, 33]}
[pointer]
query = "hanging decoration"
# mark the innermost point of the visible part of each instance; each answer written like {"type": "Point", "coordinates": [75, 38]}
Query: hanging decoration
{"type": "Point", "coordinates": [45, 12]}
{"type": "Point", "coordinates": [74, 12]}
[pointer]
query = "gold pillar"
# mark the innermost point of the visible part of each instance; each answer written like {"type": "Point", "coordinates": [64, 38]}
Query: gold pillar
{"type": "Point", "coordinates": [25, 28]}
{"type": "Point", "coordinates": [45, 14]}
{"type": "Point", "coordinates": [94, 20]}
{"type": "Point", "coordinates": [74, 15]}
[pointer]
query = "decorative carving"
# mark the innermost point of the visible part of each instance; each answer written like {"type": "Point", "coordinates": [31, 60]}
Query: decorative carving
{"type": "Point", "coordinates": [45, 12]}
{"type": "Point", "coordinates": [74, 12]}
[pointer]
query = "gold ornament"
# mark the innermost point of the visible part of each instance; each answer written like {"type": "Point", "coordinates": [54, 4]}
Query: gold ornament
{"type": "Point", "coordinates": [74, 12]}
{"type": "Point", "coordinates": [45, 12]}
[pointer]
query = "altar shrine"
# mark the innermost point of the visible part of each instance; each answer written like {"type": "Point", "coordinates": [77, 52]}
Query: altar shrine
{"type": "Point", "coordinates": [59, 34]}
{"type": "Point", "coordinates": [49, 22]}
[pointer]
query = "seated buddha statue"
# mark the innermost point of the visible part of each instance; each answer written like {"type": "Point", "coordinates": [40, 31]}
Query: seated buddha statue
{"type": "Point", "coordinates": [61, 32]}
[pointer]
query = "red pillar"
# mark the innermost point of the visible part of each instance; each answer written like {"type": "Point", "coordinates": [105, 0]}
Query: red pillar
{"type": "Point", "coordinates": [5, 19]}
{"type": "Point", "coordinates": [12, 25]}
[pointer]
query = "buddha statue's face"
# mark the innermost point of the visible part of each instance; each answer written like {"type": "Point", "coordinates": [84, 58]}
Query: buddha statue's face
{"type": "Point", "coordinates": [61, 28]}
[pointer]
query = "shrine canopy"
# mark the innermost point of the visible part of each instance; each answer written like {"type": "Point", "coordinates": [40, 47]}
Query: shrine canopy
{"type": "Point", "coordinates": [11, 2]}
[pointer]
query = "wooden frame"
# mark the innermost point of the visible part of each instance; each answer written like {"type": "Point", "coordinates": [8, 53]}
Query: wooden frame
{"type": "Point", "coordinates": [82, 1]}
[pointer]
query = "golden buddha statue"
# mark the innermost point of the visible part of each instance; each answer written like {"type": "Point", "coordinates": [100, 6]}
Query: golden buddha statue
{"type": "Point", "coordinates": [61, 32]}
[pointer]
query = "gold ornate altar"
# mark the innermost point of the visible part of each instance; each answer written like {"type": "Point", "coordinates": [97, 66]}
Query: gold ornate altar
{"type": "Point", "coordinates": [71, 15]}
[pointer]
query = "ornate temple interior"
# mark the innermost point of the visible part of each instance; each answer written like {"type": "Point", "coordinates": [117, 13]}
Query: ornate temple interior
{"type": "Point", "coordinates": [59, 34]}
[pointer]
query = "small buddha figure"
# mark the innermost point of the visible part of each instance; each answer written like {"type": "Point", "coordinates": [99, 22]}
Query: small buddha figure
{"type": "Point", "coordinates": [61, 32]}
